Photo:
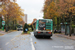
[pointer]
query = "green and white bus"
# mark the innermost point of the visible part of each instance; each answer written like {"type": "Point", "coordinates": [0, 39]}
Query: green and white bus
{"type": "Point", "coordinates": [43, 27]}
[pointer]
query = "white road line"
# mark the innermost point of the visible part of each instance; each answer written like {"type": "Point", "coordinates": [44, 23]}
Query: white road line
{"type": "Point", "coordinates": [0, 49]}
{"type": "Point", "coordinates": [12, 39]}
{"type": "Point", "coordinates": [7, 43]}
{"type": "Point", "coordinates": [33, 48]}
{"type": "Point", "coordinates": [32, 33]}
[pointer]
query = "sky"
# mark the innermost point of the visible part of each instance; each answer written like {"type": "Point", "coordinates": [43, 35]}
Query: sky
{"type": "Point", "coordinates": [33, 8]}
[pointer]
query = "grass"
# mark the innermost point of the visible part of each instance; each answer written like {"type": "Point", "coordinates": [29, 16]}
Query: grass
{"type": "Point", "coordinates": [28, 32]}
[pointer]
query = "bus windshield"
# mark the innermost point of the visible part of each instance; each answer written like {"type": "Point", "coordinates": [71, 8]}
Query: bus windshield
{"type": "Point", "coordinates": [42, 24]}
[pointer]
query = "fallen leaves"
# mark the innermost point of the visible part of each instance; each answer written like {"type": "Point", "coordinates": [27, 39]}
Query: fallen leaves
{"type": "Point", "coordinates": [1, 34]}
{"type": "Point", "coordinates": [16, 47]}
{"type": "Point", "coordinates": [35, 42]}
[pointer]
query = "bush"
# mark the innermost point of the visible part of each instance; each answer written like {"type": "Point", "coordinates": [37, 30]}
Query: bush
{"type": "Point", "coordinates": [28, 32]}
{"type": "Point", "coordinates": [30, 26]}
{"type": "Point", "coordinates": [25, 27]}
{"type": "Point", "coordinates": [29, 29]}
{"type": "Point", "coordinates": [73, 26]}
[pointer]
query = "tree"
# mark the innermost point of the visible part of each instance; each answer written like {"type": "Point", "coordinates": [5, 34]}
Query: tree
{"type": "Point", "coordinates": [11, 12]}
{"type": "Point", "coordinates": [57, 10]}
{"type": "Point", "coordinates": [25, 27]}
{"type": "Point", "coordinates": [52, 11]}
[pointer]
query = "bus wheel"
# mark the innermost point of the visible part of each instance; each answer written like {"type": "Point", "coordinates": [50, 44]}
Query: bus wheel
{"type": "Point", "coordinates": [49, 37]}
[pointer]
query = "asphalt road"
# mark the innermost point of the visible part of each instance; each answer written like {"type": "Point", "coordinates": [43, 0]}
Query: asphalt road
{"type": "Point", "coordinates": [16, 41]}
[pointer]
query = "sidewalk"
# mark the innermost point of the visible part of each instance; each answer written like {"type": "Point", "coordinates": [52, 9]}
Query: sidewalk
{"type": "Point", "coordinates": [65, 36]}
{"type": "Point", "coordinates": [3, 32]}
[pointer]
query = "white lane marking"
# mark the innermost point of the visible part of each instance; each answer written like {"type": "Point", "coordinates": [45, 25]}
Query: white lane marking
{"type": "Point", "coordinates": [7, 43]}
{"type": "Point", "coordinates": [33, 48]}
{"type": "Point", "coordinates": [12, 39]}
{"type": "Point", "coordinates": [0, 49]}
{"type": "Point", "coordinates": [32, 33]}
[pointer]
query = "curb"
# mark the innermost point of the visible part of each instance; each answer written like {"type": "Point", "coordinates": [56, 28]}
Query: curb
{"type": "Point", "coordinates": [64, 36]}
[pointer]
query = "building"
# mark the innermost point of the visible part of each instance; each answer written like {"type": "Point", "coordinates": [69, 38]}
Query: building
{"type": "Point", "coordinates": [24, 18]}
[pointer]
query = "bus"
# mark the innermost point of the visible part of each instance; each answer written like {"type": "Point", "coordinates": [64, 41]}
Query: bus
{"type": "Point", "coordinates": [43, 27]}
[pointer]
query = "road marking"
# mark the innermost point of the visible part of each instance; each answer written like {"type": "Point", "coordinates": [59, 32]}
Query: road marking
{"type": "Point", "coordinates": [32, 33]}
{"type": "Point", "coordinates": [12, 39]}
{"type": "Point", "coordinates": [0, 49]}
{"type": "Point", "coordinates": [7, 43]}
{"type": "Point", "coordinates": [33, 48]}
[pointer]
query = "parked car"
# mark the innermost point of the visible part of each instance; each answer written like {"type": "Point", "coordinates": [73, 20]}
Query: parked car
{"type": "Point", "coordinates": [57, 31]}
{"type": "Point", "coordinates": [19, 27]}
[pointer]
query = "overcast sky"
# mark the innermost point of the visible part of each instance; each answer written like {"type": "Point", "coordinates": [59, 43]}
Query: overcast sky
{"type": "Point", "coordinates": [33, 8]}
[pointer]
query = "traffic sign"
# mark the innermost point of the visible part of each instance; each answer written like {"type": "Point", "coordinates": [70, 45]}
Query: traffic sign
{"type": "Point", "coordinates": [3, 23]}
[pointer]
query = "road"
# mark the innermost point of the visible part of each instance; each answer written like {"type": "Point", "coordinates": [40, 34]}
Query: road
{"type": "Point", "coordinates": [16, 41]}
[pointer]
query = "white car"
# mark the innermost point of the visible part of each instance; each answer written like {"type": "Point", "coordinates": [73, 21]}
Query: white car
{"type": "Point", "coordinates": [19, 28]}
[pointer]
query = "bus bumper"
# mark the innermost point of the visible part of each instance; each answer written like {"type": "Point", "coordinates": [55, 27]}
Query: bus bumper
{"type": "Point", "coordinates": [42, 33]}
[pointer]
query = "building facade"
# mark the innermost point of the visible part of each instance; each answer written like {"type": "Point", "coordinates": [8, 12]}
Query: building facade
{"type": "Point", "coordinates": [24, 18]}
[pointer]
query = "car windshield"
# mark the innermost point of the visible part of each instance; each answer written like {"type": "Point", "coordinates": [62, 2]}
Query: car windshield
{"type": "Point", "coordinates": [19, 26]}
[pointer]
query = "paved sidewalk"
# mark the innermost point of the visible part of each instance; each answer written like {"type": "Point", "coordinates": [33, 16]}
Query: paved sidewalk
{"type": "Point", "coordinates": [65, 36]}
{"type": "Point", "coordinates": [3, 32]}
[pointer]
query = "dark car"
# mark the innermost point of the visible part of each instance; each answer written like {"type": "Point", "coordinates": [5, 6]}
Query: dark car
{"type": "Point", "coordinates": [57, 31]}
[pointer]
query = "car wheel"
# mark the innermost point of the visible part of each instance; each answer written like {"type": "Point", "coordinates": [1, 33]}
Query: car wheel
{"type": "Point", "coordinates": [18, 29]}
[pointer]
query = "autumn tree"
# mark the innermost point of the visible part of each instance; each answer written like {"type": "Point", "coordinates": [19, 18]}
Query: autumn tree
{"type": "Point", "coordinates": [50, 11]}
{"type": "Point", "coordinates": [47, 3]}
{"type": "Point", "coordinates": [61, 8]}
{"type": "Point", "coordinates": [11, 12]}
